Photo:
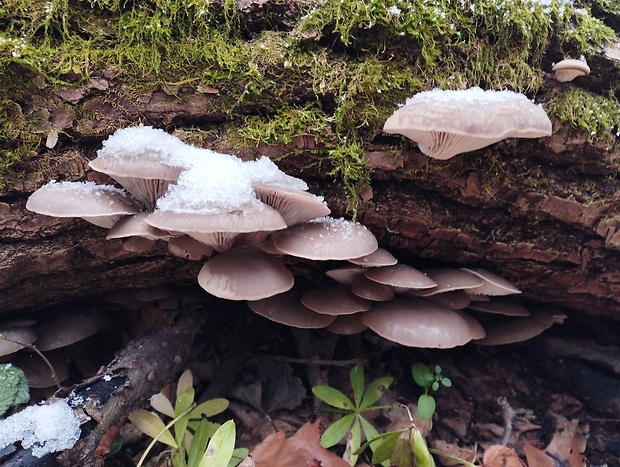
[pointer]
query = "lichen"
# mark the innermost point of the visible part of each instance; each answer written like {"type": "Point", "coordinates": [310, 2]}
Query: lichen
{"type": "Point", "coordinates": [336, 74]}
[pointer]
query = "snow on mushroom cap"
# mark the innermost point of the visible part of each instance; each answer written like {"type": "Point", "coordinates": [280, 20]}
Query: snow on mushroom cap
{"type": "Point", "coordinates": [446, 123]}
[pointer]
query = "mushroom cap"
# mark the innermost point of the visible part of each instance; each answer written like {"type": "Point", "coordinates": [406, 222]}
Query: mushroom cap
{"type": "Point", "coordinates": [101, 205]}
{"type": "Point", "coordinates": [347, 325]}
{"type": "Point", "coordinates": [371, 290]}
{"type": "Point", "coordinates": [500, 307]}
{"type": "Point", "coordinates": [345, 275]}
{"type": "Point", "coordinates": [401, 276]}
{"type": "Point", "coordinates": [136, 226]}
{"type": "Point", "coordinates": [36, 370]}
{"type": "Point", "coordinates": [569, 69]}
{"type": "Point", "coordinates": [415, 322]}
{"type": "Point", "coordinates": [454, 299]}
{"type": "Point", "coordinates": [334, 300]}
{"type": "Point", "coordinates": [138, 244]}
{"type": "Point", "coordinates": [286, 308]}
{"type": "Point", "coordinates": [493, 284]}
{"type": "Point", "coordinates": [449, 279]}
{"type": "Point", "coordinates": [294, 205]}
{"type": "Point", "coordinates": [218, 229]}
{"type": "Point", "coordinates": [184, 246]}
{"type": "Point", "coordinates": [477, 331]}
{"type": "Point", "coordinates": [508, 329]}
{"type": "Point", "coordinates": [67, 327]}
{"type": "Point", "coordinates": [326, 238]}
{"type": "Point", "coordinates": [446, 123]}
{"type": "Point", "coordinates": [243, 274]}
{"type": "Point", "coordinates": [15, 338]}
{"type": "Point", "coordinates": [379, 257]}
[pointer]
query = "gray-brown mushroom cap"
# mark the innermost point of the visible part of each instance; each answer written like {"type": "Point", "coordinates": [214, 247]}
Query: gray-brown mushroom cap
{"type": "Point", "coordinates": [449, 279]}
{"type": "Point", "coordinates": [325, 239]}
{"type": "Point", "coordinates": [67, 327]}
{"type": "Point", "coordinates": [184, 246]}
{"type": "Point", "coordinates": [334, 300]}
{"type": "Point", "coordinates": [415, 322]}
{"type": "Point", "coordinates": [371, 290]}
{"type": "Point", "coordinates": [219, 229]}
{"type": "Point", "coordinates": [286, 308]}
{"type": "Point", "coordinates": [345, 275]}
{"type": "Point", "coordinates": [379, 257]}
{"type": "Point", "coordinates": [500, 307]}
{"type": "Point", "coordinates": [347, 325]}
{"type": "Point", "coordinates": [509, 330]}
{"type": "Point", "coordinates": [243, 274]}
{"type": "Point", "coordinates": [493, 284]}
{"type": "Point", "coordinates": [569, 69]}
{"type": "Point", "coordinates": [101, 205]}
{"type": "Point", "coordinates": [36, 370]}
{"type": "Point", "coordinates": [446, 123]}
{"type": "Point", "coordinates": [15, 338]}
{"type": "Point", "coordinates": [136, 226]}
{"type": "Point", "coordinates": [295, 206]}
{"type": "Point", "coordinates": [400, 276]}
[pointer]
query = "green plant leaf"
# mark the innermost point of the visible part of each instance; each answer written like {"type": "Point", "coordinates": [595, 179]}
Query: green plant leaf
{"type": "Point", "coordinates": [150, 424]}
{"type": "Point", "coordinates": [357, 383]}
{"type": "Point", "coordinates": [13, 387]}
{"type": "Point", "coordinates": [385, 444]}
{"type": "Point", "coordinates": [437, 370]}
{"type": "Point", "coordinates": [185, 382]}
{"type": "Point", "coordinates": [183, 404]}
{"type": "Point", "coordinates": [435, 385]}
{"type": "Point", "coordinates": [426, 406]}
{"type": "Point", "coordinates": [199, 444]}
{"type": "Point", "coordinates": [402, 456]}
{"type": "Point", "coordinates": [238, 455]}
{"type": "Point", "coordinates": [373, 392]}
{"type": "Point", "coordinates": [337, 430]}
{"type": "Point", "coordinates": [355, 440]}
{"type": "Point", "coordinates": [209, 408]}
{"type": "Point", "coordinates": [221, 446]}
{"type": "Point", "coordinates": [421, 374]}
{"type": "Point", "coordinates": [447, 382]}
{"type": "Point", "coordinates": [333, 397]}
{"type": "Point", "coordinates": [423, 457]}
{"type": "Point", "coordinates": [371, 434]}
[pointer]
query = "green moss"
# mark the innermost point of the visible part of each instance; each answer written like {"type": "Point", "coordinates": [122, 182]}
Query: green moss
{"type": "Point", "coordinates": [597, 116]}
{"type": "Point", "coordinates": [337, 74]}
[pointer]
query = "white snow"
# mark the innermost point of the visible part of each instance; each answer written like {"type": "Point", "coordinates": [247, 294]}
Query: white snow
{"type": "Point", "coordinates": [469, 97]}
{"type": "Point", "coordinates": [44, 428]}
{"type": "Point", "coordinates": [211, 181]}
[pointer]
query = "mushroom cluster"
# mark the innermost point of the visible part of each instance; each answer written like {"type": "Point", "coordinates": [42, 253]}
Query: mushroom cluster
{"type": "Point", "coordinates": [51, 334]}
{"type": "Point", "coordinates": [447, 123]}
{"type": "Point", "coordinates": [200, 202]}
{"type": "Point", "coordinates": [435, 308]}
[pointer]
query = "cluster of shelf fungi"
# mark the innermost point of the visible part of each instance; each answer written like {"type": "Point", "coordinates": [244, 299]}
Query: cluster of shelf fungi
{"type": "Point", "coordinates": [245, 218]}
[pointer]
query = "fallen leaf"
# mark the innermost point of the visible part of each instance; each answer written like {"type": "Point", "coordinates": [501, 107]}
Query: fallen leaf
{"type": "Point", "coordinates": [564, 449]}
{"type": "Point", "coordinates": [453, 450]}
{"type": "Point", "coordinates": [502, 456]}
{"type": "Point", "coordinates": [300, 450]}
{"type": "Point", "coordinates": [536, 457]}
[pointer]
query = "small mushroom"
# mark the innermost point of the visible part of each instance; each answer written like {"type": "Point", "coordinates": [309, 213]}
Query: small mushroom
{"type": "Point", "coordinates": [286, 308]}
{"type": "Point", "coordinates": [500, 307]}
{"type": "Point", "coordinates": [379, 257]}
{"type": "Point", "coordinates": [101, 205]}
{"type": "Point", "coordinates": [345, 275]}
{"type": "Point", "coordinates": [450, 279]}
{"type": "Point", "coordinates": [295, 206]}
{"type": "Point", "coordinates": [184, 246]}
{"type": "Point", "coordinates": [244, 274]}
{"type": "Point", "coordinates": [415, 322]}
{"type": "Point", "coordinates": [400, 276]}
{"type": "Point", "coordinates": [68, 326]}
{"type": "Point", "coordinates": [326, 239]}
{"type": "Point", "coordinates": [14, 338]}
{"type": "Point", "coordinates": [36, 370]}
{"type": "Point", "coordinates": [454, 299]}
{"type": "Point", "coordinates": [447, 123]}
{"type": "Point", "coordinates": [509, 330]}
{"type": "Point", "coordinates": [371, 290]}
{"type": "Point", "coordinates": [569, 69]}
{"type": "Point", "coordinates": [334, 300]}
{"type": "Point", "coordinates": [493, 284]}
{"type": "Point", "coordinates": [347, 325]}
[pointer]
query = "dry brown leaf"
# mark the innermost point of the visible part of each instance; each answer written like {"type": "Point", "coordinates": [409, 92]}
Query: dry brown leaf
{"type": "Point", "coordinates": [501, 456]}
{"type": "Point", "coordinates": [536, 457]}
{"type": "Point", "coordinates": [564, 448]}
{"type": "Point", "coordinates": [301, 450]}
{"type": "Point", "coordinates": [453, 450]}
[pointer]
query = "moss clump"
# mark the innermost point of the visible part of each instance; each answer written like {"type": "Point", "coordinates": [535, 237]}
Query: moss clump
{"type": "Point", "coordinates": [337, 73]}
{"type": "Point", "coordinates": [596, 116]}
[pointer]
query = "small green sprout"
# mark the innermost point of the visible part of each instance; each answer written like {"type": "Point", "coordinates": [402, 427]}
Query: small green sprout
{"type": "Point", "coordinates": [353, 422]}
{"type": "Point", "coordinates": [194, 440]}
{"type": "Point", "coordinates": [13, 387]}
{"type": "Point", "coordinates": [427, 380]}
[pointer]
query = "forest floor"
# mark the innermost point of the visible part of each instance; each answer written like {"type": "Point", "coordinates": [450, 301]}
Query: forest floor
{"type": "Point", "coordinates": [499, 395]}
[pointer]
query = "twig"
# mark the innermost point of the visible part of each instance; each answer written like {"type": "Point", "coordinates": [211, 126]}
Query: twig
{"type": "Point", "coordinates": [508, 414]}
{"type": "Point", "coordinates": [313, 361]}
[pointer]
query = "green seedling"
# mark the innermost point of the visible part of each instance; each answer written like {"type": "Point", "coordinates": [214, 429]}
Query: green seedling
{"type": "Point", "coordinates": [427, 380]}
{"type": "Point", "coordinates": [13, 387]}
{"type": "Point", "coordinates": [193, 439]}
{"type": "Point", "coordinates": [353, 422]}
